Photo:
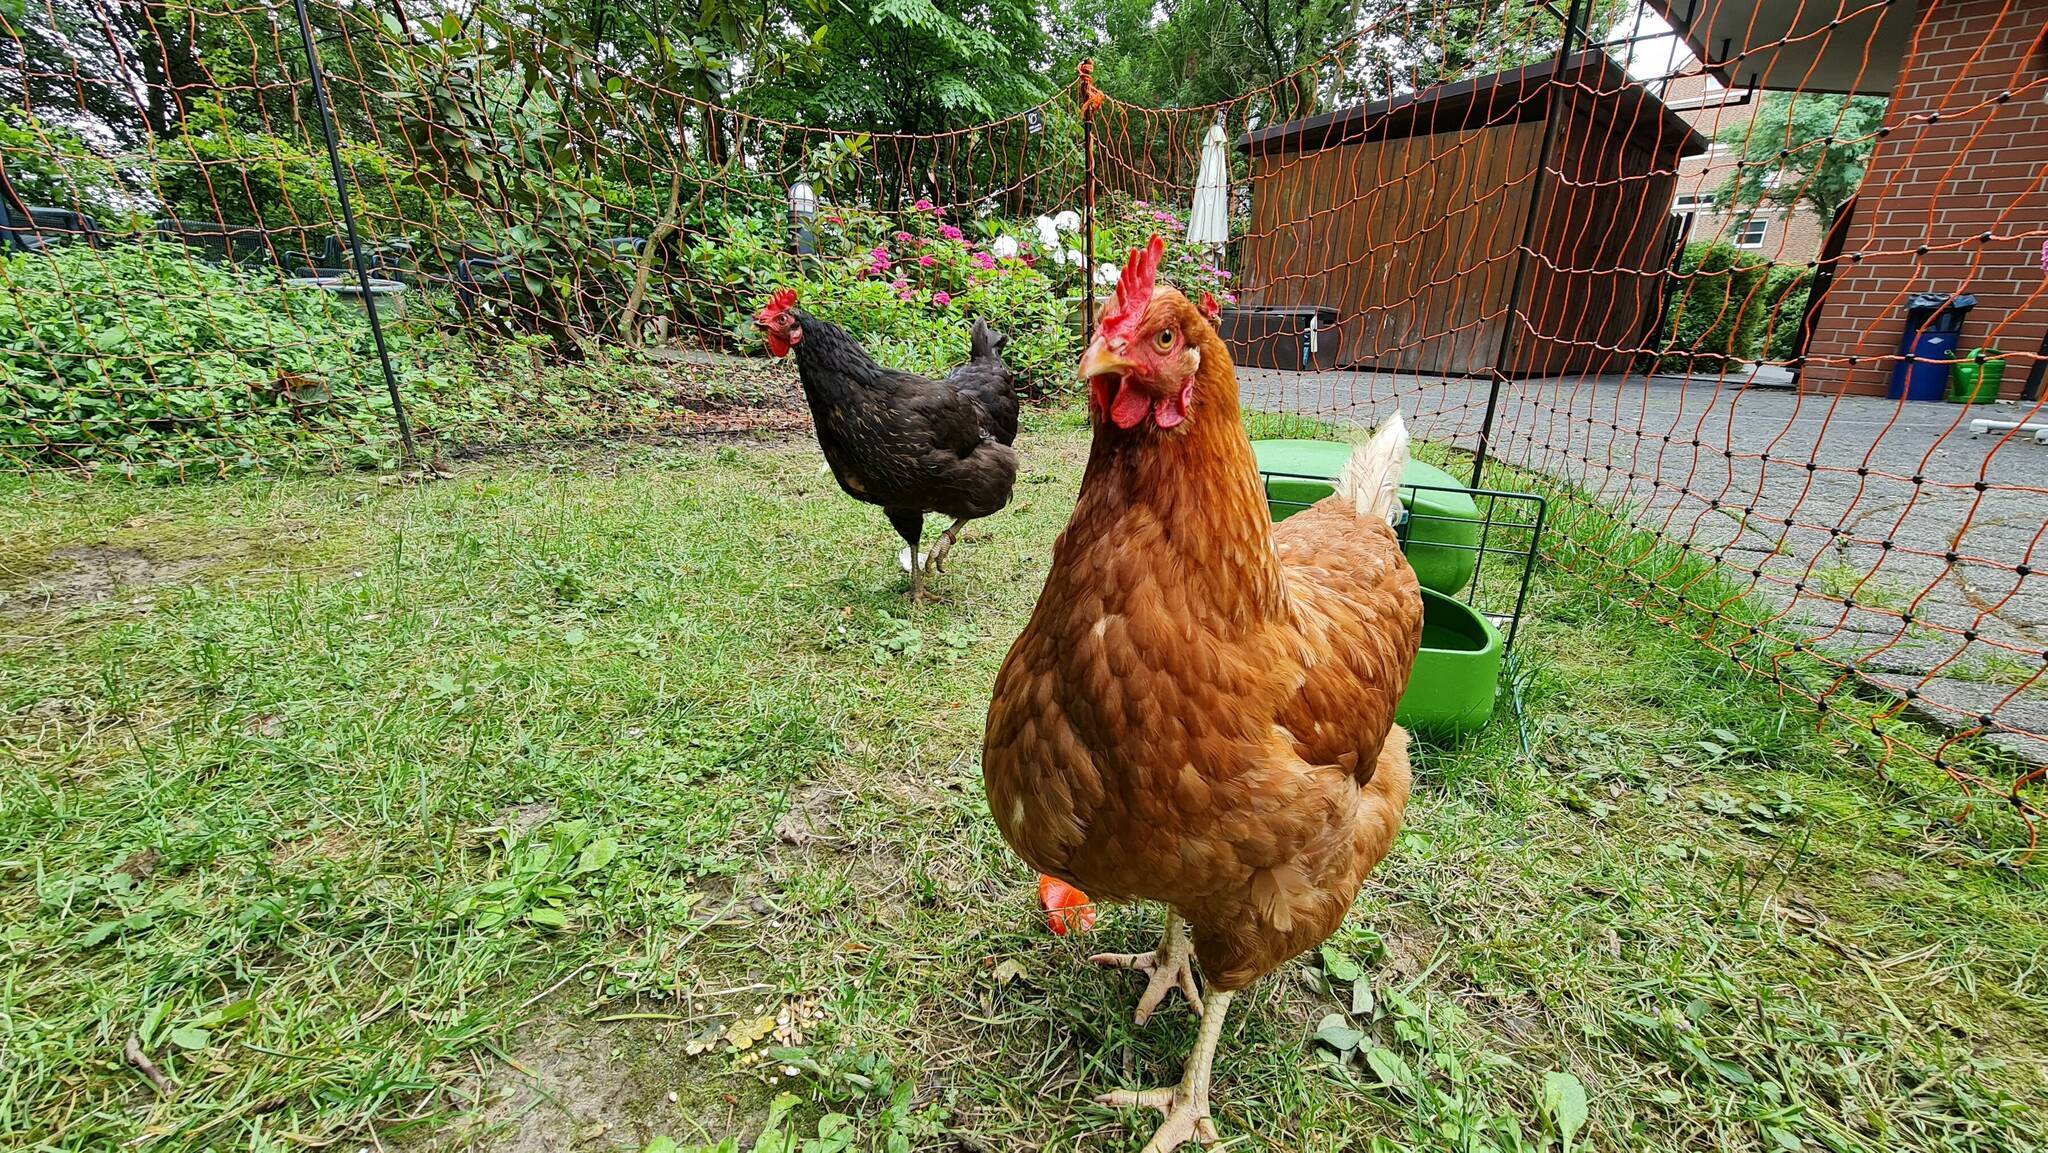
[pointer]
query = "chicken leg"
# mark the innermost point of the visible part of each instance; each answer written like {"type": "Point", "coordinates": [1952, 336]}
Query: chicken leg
{"type": "Point", "coordinates": [909, 524]}
{"type": "Point", "coordinates": [1171, 966]}
{"type": "Point", "coordinates": [937, 559]}
{"type": "Point", "coordinates": [1185, 1107]}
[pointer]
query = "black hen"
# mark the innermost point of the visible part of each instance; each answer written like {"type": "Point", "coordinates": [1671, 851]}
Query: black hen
{"type": "Point", "coordinates": [902, 441]}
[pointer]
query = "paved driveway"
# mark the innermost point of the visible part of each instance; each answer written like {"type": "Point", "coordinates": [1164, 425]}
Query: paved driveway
{"type": "Point", "coordinates": [1886, 535]}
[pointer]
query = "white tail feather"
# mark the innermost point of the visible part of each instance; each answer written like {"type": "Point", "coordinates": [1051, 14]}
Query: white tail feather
{"type": "Point", "coordinates": [1372, 478]}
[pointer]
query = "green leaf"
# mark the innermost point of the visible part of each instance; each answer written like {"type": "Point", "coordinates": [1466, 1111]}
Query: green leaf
{"type": "Point", "coordinates": [190, 1037]}
{"type": "Point", "coordinates": [1784, 1139]}
{"type": "Point", "coordinates": [1339, 966]}
{"type": "Point", "coordinates": [229, 1013]}
{"type": "Point", "coordinates": [835, 1133]}
{"type": "Point", "coordinates": [1389, 1067]}
{"type": "Point", "coordinates": [548, 918]}
{"type": "Point", "coordinates": [1361, 997]}
{"type": "Point", "coordinates": [596, 855]}
{"type": "Point", "coordinates": [1338, 1033]}
{"type": "Point", "coordinates": [1564, 1102]}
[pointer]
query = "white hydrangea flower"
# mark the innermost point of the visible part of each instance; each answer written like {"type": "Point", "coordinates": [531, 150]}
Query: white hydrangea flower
{"type": "Point", "coordinates": [1107, 274]}
{"type": "Point", "coordinates": [1049, 236]}
{"type": "Point", "coordinates": [1068, 221]}
{"type": "Point", "coordinates": [1004, 246]}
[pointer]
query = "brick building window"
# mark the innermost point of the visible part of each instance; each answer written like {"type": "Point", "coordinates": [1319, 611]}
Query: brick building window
{"type": "Point", "coordinates": [1691, 206]}
{"type": "Point", "coordinates": [1751, 233]}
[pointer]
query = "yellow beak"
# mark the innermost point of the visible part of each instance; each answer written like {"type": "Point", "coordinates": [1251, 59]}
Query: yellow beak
{"type": "Point", "coordinates": [1100, 361]}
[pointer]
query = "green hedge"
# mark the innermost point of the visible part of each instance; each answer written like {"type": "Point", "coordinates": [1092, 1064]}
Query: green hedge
{"type": "Point", "coordinates": [1716, 311]}
{"type": "Point", "coordinates": [1785, 296]}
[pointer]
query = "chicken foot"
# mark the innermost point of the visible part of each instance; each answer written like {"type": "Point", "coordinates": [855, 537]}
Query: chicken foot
{"type": "Point", "coordinates": [1171, 966]}
{"type": "Point", "coordinates": [936, 559]}
{"type": "Point", "coordinates": [1186, 1106]}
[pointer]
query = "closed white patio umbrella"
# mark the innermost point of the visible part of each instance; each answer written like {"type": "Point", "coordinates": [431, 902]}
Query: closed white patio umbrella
{"type": "Point", "coordinates": [1209, 222]}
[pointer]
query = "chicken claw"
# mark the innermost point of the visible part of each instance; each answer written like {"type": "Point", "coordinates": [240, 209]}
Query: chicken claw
{"type": "Point", "coordinates": [1186, 1106]}
{"type": "Point", "coordinates": [1186, 1120]}
{"type": "Point", "coordinates": [1172, 966]}
{"type": "Point", "coordinates": [935, 561]}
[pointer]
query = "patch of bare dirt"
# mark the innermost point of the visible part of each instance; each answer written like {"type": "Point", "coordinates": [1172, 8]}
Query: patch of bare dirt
{"type": "Point", "coordinates": [812, 816]}
{"type": "Point", "coordinates": [90, 574]}
{"type": "Point", "coordinates": [562, 1089]}
{"type": "Point", "coordinates": [570, 1085]}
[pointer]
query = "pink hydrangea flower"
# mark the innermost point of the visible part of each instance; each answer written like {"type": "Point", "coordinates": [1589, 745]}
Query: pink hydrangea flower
{"type": "Point", "coordinates": [927, 260]}
{"type": "Point", "coordinates": [942, 299]}
{"type": "Point", "coordinates": [1143, 203]}
{"type": "Point", "coordinates": [904, 238]}
{"type": "Point", "coordinates": [951, 232]}
{"type": "Point", "coordinates": [922, 205]}
{"type": "Point", "coordinates": [984, 260]}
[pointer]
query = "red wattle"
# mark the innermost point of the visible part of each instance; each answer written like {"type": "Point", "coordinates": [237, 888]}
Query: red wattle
{"type": "Point", "coordinates": [1131, 405]}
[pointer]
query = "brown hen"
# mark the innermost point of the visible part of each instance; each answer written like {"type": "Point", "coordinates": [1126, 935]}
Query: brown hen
{"type": "Point", "coordinates": [1201, 711]}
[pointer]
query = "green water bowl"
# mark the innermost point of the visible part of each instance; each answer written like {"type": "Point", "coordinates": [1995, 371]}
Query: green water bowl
{"type": "Point", "coordinates": [1457, 672]}
{"type": "Point", "coordinates": [1443, 527]}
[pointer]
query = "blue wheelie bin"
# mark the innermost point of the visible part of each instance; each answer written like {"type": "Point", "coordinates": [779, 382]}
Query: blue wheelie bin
{"type": "Point", "coordinates": [1934, 326]}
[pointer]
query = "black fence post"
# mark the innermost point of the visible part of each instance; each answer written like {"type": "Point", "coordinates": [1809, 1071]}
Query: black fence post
{"type": "Point", "coordinates": [348, 221]}
{"type": "Point", "coordinates": [1572, 18]}
{"type": "Point", "coordinates": [1089, 100]}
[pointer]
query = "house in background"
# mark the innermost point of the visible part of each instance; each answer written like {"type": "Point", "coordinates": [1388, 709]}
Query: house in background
{"type": "Point", "coordinates": [1713, 109]}
{"type": "Point", "coordinates": [1956, 195]}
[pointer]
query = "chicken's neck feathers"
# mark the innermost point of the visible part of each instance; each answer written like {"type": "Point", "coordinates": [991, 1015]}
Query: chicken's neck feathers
{"type": "Point", "coordinates": [1200, 486]}
{"type": "Point", "coordinates": [829, 360]}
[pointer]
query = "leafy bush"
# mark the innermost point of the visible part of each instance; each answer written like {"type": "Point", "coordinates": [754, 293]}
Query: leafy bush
{"type": "Point", "coordinates": [908, 288]}
{"type": "Point", "coordinates": [1714, 313]}
{"type": "Point", "coordinates": [1785, 296]}
{"type": "Point", "coordinates": [140, 359]}
{"type": "Point", "coordinates": [1125, 223]}
{"type": "Point", "coordinates": [722, 274]}
{"type": "Point", "coordinates": [50, 165]}
{"type": "Point", "coordinates": [219, 171]}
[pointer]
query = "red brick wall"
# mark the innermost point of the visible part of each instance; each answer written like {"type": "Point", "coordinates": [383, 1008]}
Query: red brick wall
{"type": "Point", "coordinates": [1965, 156]}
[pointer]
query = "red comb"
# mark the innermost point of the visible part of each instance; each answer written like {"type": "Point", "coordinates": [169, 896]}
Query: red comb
{"type": "Point", "coordinates": [781, 302]}
{"type": "Point", "coordinates": [1133, 290]}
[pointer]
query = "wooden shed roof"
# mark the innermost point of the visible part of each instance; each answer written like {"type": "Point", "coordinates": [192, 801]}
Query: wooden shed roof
{"type": "Point", "coordinates": [1511, 97]}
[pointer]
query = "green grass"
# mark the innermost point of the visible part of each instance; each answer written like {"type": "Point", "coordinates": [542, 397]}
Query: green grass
{"type": "Point", "coordinates": [492, 814]}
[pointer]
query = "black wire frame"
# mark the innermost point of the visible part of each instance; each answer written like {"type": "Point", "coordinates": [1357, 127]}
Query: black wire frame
{"type": "Point", "coordinates": [1510, 528]}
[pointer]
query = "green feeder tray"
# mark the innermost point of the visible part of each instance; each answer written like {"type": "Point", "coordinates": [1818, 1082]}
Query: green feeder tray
{"type": "Point", "coordinates": [1443, 526]}
{"type": "Point", "coordinates": [1457, 672]}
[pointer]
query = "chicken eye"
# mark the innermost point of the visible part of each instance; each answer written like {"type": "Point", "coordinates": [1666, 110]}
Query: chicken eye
{"type": "Point", "coordinates": [1164, 341]}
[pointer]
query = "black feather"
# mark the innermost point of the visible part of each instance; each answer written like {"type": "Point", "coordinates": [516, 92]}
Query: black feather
{"type": "Point", "coordinates": [907, 442]}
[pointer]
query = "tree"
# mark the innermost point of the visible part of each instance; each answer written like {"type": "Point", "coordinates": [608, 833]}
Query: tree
{"type": "Point", "coordinates": [915, 66]}
{"type": "Point", "coordinates": [1316, 54]}
{"type": "Point", "coordinates": [1802, 149]}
